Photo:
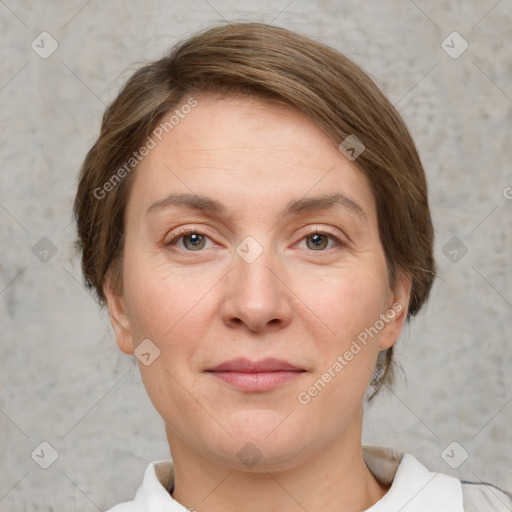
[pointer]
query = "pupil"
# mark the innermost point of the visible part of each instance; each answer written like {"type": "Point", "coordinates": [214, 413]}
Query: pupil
{"type": "Point", "coordinates": [318, 241]}
{"type": "Point", "coordinates": [195, 238]}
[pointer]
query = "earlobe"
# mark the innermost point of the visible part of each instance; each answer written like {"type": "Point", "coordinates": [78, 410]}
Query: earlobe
{"type": "Point", "coordinates": [396, 314]}
{"type": "Point", "coordinates": [119, 318]}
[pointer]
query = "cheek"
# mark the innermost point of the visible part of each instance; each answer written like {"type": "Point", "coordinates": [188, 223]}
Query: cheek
{"type": "Point", "coordinates": [346, 301]}
{"type": "Point", "coordinates": [167, 305]}
{"type": "Point", "coordinates": [171, 308]}
{"type": "Point", "coordinates": [349, 304]}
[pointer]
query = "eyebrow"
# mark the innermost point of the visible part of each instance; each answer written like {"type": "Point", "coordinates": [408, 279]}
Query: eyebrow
{"type": "Point", "coordinates": [294, 207]}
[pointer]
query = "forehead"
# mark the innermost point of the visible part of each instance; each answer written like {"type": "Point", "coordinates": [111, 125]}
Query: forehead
{"type": "Point", "coordinates": [237, 146]}
{"type": "Point", "coordinates": [230, 127]}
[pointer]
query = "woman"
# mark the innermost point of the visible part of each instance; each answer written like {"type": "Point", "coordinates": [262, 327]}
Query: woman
{"type": "Point", "coordinates": [254, 214]}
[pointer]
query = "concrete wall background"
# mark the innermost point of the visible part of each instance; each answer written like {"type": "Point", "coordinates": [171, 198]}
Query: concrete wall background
{"type": "Point", "coordinates": [62, 379]}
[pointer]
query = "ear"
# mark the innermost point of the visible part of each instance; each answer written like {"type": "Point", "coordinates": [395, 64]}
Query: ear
{"type": "Point", "coordinates": [118, 317]}
{"type": "Point", "coordinates": [396, 313]}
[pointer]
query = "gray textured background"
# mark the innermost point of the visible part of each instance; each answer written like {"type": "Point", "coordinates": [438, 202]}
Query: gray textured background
{"type": "Point", "coordinates": [62, 378]}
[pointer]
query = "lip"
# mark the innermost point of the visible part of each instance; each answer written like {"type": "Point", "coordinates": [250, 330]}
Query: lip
{"type": "Point", "coordinates": [248, 366]}
{"type": "Point", "coordinates": [256, 376]}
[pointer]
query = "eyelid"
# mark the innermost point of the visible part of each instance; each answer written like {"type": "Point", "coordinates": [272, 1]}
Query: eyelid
{"type": "Point", "coordinates": [339, 242]}
{"type": "Point", "coordinates": [186, 230]}
{"type": "Point", "coordinates": [342, 238]}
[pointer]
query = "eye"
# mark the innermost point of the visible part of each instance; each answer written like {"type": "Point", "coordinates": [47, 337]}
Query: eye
{"type": "Point", "coordinates": [192, 240]}
{"type": "Point", "coordinates": [318, 241]}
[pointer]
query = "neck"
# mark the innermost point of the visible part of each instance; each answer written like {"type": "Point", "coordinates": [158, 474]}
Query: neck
{"type": "Point", "coordinates": [336, 479]}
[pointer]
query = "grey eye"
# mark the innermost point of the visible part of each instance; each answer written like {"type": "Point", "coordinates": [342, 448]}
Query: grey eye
{"type": "Point", "coordinates": [318, 241]}
{"type": "Point", "coordinates": [197, 241]}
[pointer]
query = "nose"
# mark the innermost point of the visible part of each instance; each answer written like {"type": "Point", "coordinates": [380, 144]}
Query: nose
{"type": "Point", "coordinates": [256, 296]}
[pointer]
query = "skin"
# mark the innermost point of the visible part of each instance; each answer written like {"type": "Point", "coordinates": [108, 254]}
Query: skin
{"type": "Point", "coordinates": [295, 302]}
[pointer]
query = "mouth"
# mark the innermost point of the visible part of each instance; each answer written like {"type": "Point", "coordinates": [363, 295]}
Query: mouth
{"type": "Point", "coordinates": [256, 376]}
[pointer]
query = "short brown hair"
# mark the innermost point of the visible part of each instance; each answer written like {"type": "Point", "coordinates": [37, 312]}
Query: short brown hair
{"type": "Point", "coordinates": [268, 62]}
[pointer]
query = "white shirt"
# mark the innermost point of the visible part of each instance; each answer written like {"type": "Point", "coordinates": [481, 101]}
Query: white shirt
{"type": "Point", "coordinates": [413, 488]}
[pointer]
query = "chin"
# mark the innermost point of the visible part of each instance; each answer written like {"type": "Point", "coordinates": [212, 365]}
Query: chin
{"type": "Point", "coordinates": [263, 441]}
{"type": "Point", "coordinates": [261, 457]}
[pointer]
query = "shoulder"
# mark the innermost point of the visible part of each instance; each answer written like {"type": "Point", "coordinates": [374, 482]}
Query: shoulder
{"type": "Point", "coordinates": [485, 497]}
{"type": "Point", "coordinates": [414, 487]}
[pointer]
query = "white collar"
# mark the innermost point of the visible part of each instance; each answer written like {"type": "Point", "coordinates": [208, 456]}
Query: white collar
{"type": "Point", "coordinates": [413, 487]}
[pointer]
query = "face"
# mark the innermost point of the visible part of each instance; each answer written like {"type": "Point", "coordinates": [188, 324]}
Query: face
{"type": "Point", "coordinates": [253, 263]}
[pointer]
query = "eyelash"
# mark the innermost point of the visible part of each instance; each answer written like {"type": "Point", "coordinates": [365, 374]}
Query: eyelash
{"type": "Point", "coordinates": [189, 231]}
